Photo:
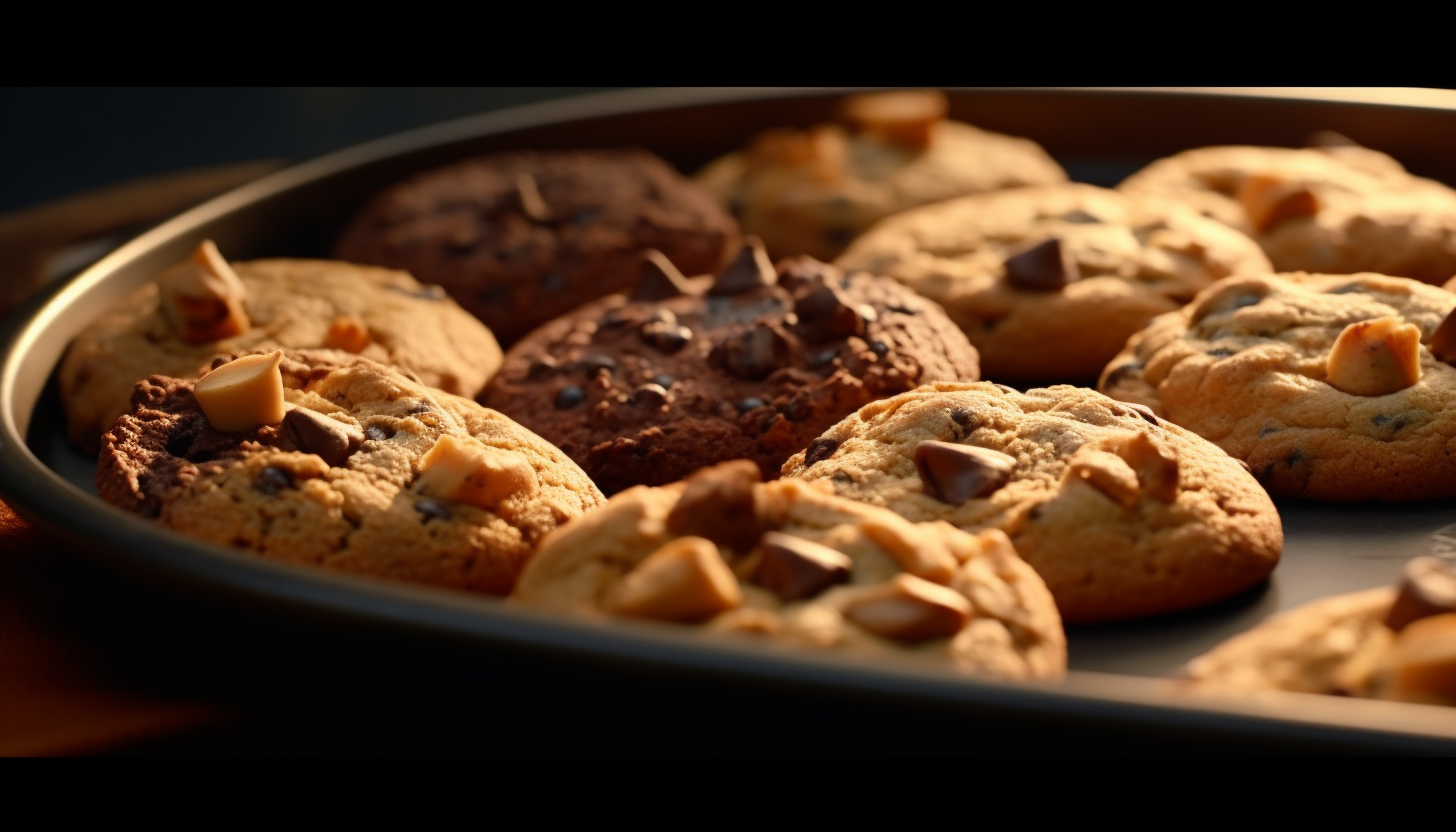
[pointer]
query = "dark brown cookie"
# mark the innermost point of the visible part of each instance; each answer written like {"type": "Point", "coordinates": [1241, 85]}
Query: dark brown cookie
{"type": "Point", "coordinates": [646, 391]}
{"type": "Point", "coordinates": [519, 238]}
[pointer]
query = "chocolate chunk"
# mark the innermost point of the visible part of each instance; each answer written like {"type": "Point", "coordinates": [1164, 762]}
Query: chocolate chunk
{"type": "Point", "coordinates": [665, 380]}
{"type": "Point", "coordinates": [961, 416]}
{"type": "Point", "coordinates": [820, 449]}
{"type": "Point", "coordinates": [660, 279]}
{"type": "Point", "coordinates": [819, 359]}
{"type": "Point", "coordinates": [432, 509]}
{"type": "Point", "coordinates": [1045, 267]}
{"type": "Point", "coordinates": [273, 479]}
{"type": "Point", "coordinates": [750, 403]}
{"type": "Point", "coordinates": [750, 270]}
{"type": "Point", "coordinates": [419, 407]}
{"type": "Point", "coordinates": [719, 503]}
{"type": "Point", "coordinates": [954, 474]}
{"type": "Point", "coordinates": [1443, 340]}
{"type": "Point", "coordinates": [314, 433]}
{"type": "Point", "coordinates": [666, 337]}
{"type": "Point", "coordinates": [651, 395]}
{"type": "Point", "coordinates": [1427, 588]}
{"type": "Point", "coordinates": [825, 314]}
{"type": "Point", "coordinates": [377, 433]}
{"type": "Point", "coordinates": [570, 397]}
{"type": "Point", "coordinates": [755, 353]}
{"type": "Point", "coordinates": [794, 568]}
{"type": "Point", "coordinates": [592, 363]}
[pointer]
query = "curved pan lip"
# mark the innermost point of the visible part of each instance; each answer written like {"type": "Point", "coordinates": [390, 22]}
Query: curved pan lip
{"type": "Point", "coordinates": [132, 544]}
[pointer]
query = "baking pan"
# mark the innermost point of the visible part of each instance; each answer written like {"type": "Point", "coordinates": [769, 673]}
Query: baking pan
{"type": "Point", "coordinates": [1120, 672]}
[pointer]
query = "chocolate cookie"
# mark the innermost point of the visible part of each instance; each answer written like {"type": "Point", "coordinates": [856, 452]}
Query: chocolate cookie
{"type": "Point", "coordinates": [205, 307]}
{"type": "Point", "coordinates": [1121, 513]}
{"type": "Point", "coordinates": [519, 238]}
{"type": "Point", "coordinates": [813, 191]}
{"type": "Point", "coordinates": [1048, 282]}
{"type": "Point", "coordinates": [328, 459]}
{"type": "Point", "coordinates": [1338, 210]}
{"type": "Point", "coordinates": [790, 563]}
{"type": "Point", "coordinates": [1334, 387]}
{"type": "Point", "coordinates": [1386, 643]}
{"type": "Point", "coordinates": [648, 390]}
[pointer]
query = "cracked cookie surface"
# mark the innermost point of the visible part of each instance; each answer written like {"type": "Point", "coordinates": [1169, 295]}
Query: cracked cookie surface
{"type": "Point", "coordinates": [1121, 513]}
{"type": "Point", "coordinates": [1129, 259]}
{"type": "Point", "coordinates": [1338, 210]}
{"type": "Point", "coordinates": [922, 588]}
{"type": "Point", "coordinates": [287, 494]}
{"type": "Point", "coordinates": [1247, 366]}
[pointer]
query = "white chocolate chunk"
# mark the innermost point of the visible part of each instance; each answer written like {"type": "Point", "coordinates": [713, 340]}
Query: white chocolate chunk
{"type": "Point", "coordinates": [202, 297]}
{"type": "Point", "coordinates": [1373, 358]}
{"type": "Point", "coordinates": [910, 609]}
{"type": "Point", "coordinates": [465, 470]}
{"type": "Point", "coordinates": [686, 581]}
{"type": "Point", "coordinates": [243, 394]}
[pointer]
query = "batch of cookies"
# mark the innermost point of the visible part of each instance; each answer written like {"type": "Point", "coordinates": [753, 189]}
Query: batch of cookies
{"type": "Point", "coordinates": [889, 384]}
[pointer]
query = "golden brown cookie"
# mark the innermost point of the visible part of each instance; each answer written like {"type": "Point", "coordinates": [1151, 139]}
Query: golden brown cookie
{"type": "Point", "coordinates": [1328, 386]}
{"type": "Point", "coordinates": [329, 459]}
{"type": "Point", "coordinates": [1048, 282]}
{"type": "Point", "coordinates": [791, 563]}
{"type": "Point", "coordinates": [813, 191]}
{"type": "Point", "coordinates": [1121, 513]}
{"type": "Point", "coordinates": [1337, 210]}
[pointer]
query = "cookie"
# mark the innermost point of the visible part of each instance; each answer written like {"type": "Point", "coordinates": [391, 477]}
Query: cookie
{"type": "Point", "coordinates": [813, 191]}
{"type": "Point", "coordinates": [1048, 282]}
{"type": "Point", "coordinates": [1396, 643]}
{"type": "Point", "coordinates": [1332, 387]}
{"type": "Point", "coordinates": [332, 460]}
{"type": "Point", "coordinates": [646, 390]}
{"type": "Point", "coordinates": [206, 307]}
{"type": "Point", "coordinates": [790, 563]}
{"type": "Point", "coordinates": [1121, 513]}
{"type": "Point", "coordinates": [519, 238]}
{"type": "Point", "coordinates": [1336, 210]}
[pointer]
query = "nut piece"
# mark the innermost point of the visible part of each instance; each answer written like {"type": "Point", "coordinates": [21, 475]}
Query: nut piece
{"type": "Point", "coordinates": [1156, 469]}
{"type": "Point", "coordinates": [1269, 200]}
{"type": "Point", "coordinates": [906, 118]}
{"type": "Point", "coordinates": [910, 609]}
{"type": "Point", "coordinates": [685, 580]}
{"type": "Point", "coordinates": [918, 554]}
{"type": "Point", "coordinates": [347, 333]}
{"type": "Point", "coordinates": [1373, 358]}
{"type": "Point", "coordinates": [1428, 588]}
{"type": "Point", "coordinates": [242, 394]}
{"type": "Point", "coordinates": [202, 297]}
{"type": "Point", "coordinates": [794, 568]}
{"type": "Point", "coordinates": [1421, 665]}
{"type": "Point", "coordinates": [954, 474]}
{"type": "Point", "coordinates": [465, 470]}
{"type": "Point", "coordinates": [314, 433]}
{"type": "Point", "coordinates": [1106, 472]}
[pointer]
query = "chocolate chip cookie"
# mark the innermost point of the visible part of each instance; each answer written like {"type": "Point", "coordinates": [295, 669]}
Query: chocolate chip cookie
{"type": "Point", "coordinates": [206, 307]}
{"type": "Point", "coordinates": [1048, 282]}
{"type": "Point", "coordinates": [789, 562]}
{"type": "Point", "coordinates": [813, 191]}
{"type": "Point", "coordinates": [1337, 210]}
{"type": "Point", "coordinates": [519, 238]}
{"type": "Point", "coordinates": [332, 460]}
{"type": "Point", "coordinates": [1387, 643]}
{"type": "Point", "coordinates": [1121, 513]}
{"type": "Point", "coordinates": [1334, 387]}
{"type": "Point", "coordinates": [647, 389]}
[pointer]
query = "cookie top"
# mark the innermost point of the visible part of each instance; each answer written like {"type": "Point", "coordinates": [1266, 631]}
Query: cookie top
{"type": "Point", "coordinates": [381, 314]}
{"type": "Point", "coordinates": [813, 191]}
{"type": "Point", "coordinates": [644, 392]}
{"type": "Point", "coordinates": [789, 562]}
{"type": "Point", "coordinates": [521, 237]}
{"type": "Point", "coordinates": [1328, 386]}
{"type": "Point", "coordinates": [359, 468]}
{"type": "Point", "coordinates": [1121, 513]}
{"type": "Point", "coordinates": [1048, 282]}
{"type": "Point", "coordinates": [1337, 210]}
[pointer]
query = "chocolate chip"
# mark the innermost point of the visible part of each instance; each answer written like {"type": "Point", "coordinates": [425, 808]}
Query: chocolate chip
{"type": "Point", "coordinates": [659, 278]}
{"type": "Point", "coordinates": [794, 568]}
{"type": "Point", "coordinates": [377, 433]}
{"type": "Point", "coordinates": [819, 359]}
{"type": "Point", "coordinates": [1427, 588]}
{"type": "Point", "coordinates": [820, 449]}
{"type": "Point", "coordinates": [314, 433]}
{"type": "Point", "coordinates": [432, 509]}
{"type": "Point", "coordinates": [666, 337]}
{"type": "Point", "coordinates": [420, 406]}
{"type": "Point", "coordinates": [755, 353]}
{"type": "Point", "coordinates": [879, 348]}
{"type": "Point", "coordinates": [1143, 411]}
{"type": "Point", "coordinates": [719, 504]}
{"type": "Point", "coordinates": [650, 395]}
{"type": "Point", "coordinates": [745, 405]}
{"type": "Point", "coordinates": [570, 397]}
{"type": "Point", "coordinates": [1443, 340]}
{"type": "Point", "coordinates": [954, 474]}
{"type": "Point", "coordinates": [961, 416]}
{"type": "Point", "coordinates": [901, 309]}
{"type": "Point", "coordinates": [750, 270]}
{"type": "Point", "coordinates": [593, 363]}
{"type": "Point", "coordinates": [1220, 352]}
{"type": "Point", "coordinates": [1045, 267]}
{"type": "Point", "coordinates": [273, 479]}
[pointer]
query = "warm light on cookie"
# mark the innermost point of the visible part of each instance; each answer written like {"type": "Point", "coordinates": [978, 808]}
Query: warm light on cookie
{"type": "Point", "coordinates": [243, 394]}
{"type": "Point", "coordinates": [1374, 358]}
{"type": "Point", "coordinates": [202, 297]}
{"type": "Point", "coordinates": [465, 470]}
{"type": "Point", "coordinates": [686, 580]}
